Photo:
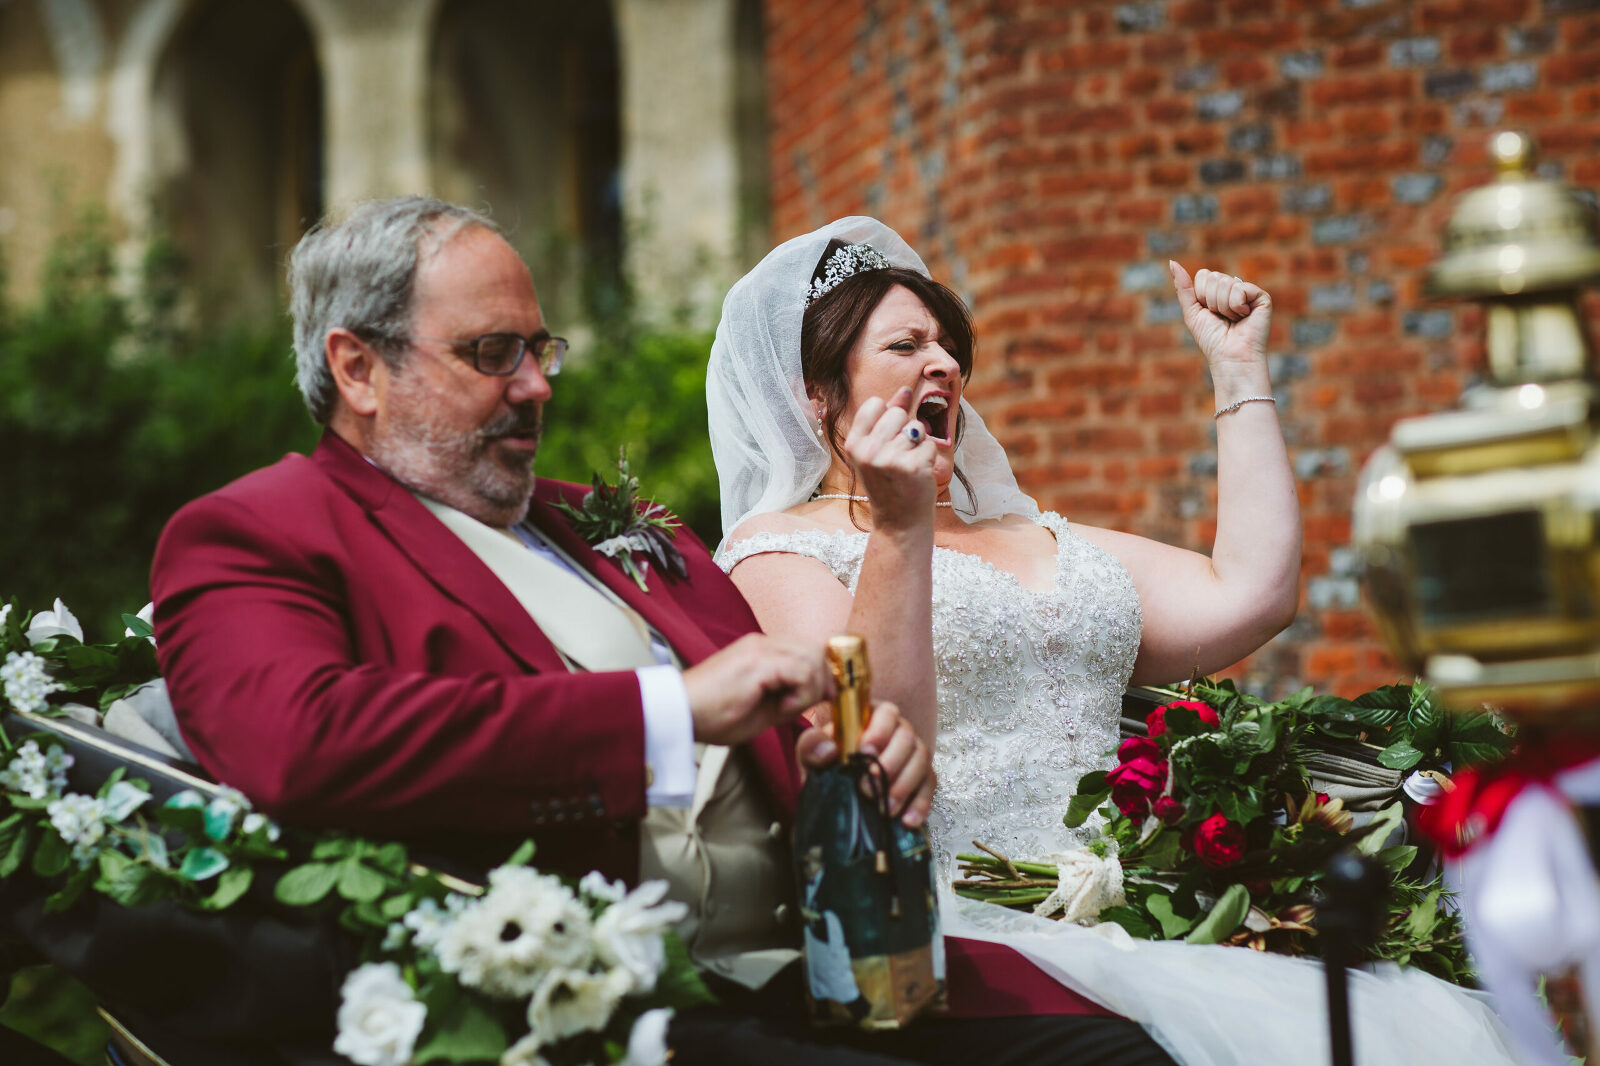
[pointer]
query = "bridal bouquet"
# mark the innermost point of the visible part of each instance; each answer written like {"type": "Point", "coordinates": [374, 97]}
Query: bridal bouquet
{"type": "Point", "coordinates": [529, 971]}
{"type": "Point", "coordinates": [1222, 840]}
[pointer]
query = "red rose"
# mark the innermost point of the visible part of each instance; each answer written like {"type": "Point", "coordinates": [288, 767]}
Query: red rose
{"type": "Point", "coordinates": [1139, 748]}
{"type": "Point", "coordinates": [1217, 842]}
{"type": "Point", "coordinates": [1322, 799]}
{"type": "Point", "coordinates": [1156, 720]}
{"type": "Point", "coordinates": [1135, 783]}
{"type": "Point", "coordinates": [1167, 809]}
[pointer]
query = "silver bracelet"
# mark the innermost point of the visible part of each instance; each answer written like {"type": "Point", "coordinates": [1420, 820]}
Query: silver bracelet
{"type": "Point", "coordinates": [1235, 405]}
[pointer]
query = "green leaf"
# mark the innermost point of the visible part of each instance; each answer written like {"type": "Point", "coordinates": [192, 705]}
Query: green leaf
{"type": "Point", "coordinates": [201, 864]}
{"type": "Point", "coordinates": [153, 847]}
{"type": "Point", "coordinates": [140, 627]}
{"type": "Point", "coordinates": [359, 883]}
{"type": "Point", "coordinates": [1240, 809]}
{"type": "Point", "coordinates": [1162, 852]}
{"type": "Point", "coordinates": [679, 984]}
{"type": "Point", "coordinates": [13, 844]}
{"type": "Point", "coordinates": [1475, 739]}
{"type": "Point", "coordinates": [1379, 828]}
{"type": "Point", "coordinates": [234, 883]}
{"type": "Point", "coordinates": [392, 858]}
{"type": "Point", "coordinates": [188, 799]}
{"type": "Point", "coordinates": [135, 885]}
{"type": "Point", "coordinates": [1399, 756]}
{"type": "Point", "coordinates": [467, 1033]}
{"type": "Point", "coordinates": [1300, 698]}
{"type": "Point", "coordinates": [334, 848]}
{"type": "Point", "coordinates": [184, 812]}
{"type": "Point", "coordinates": [367, 912]}
{"type": "Point", "coordinates": [305, 885]}
{"type": "Point", "coordinates": [15, 847]}
{"type": "Point", "coordinates": [396, 907]}
{"type": "Point", "coordinates": [50, 858]}
{"type": "Point", "coordinates": [1424, 916]}
{"type": "Point", "coordinates": [522, 856]}
{"type": "Point", "coordinates": [1223, 919]}
{"type": "Point", "coordinates": [1092, 791]}
{"type": "Point", "coordinates": [1172, 925]}
{"type": "Point", "coordinates": [1397, 857]}
{"type": "Point", "coordinates": [1136, 922]}
{"type": "Point", "coordinates": [82, 877]}
{"type": "Point", "coordinates": [112, 864]}
{"type": "Point", "coordinates": [218, 820]}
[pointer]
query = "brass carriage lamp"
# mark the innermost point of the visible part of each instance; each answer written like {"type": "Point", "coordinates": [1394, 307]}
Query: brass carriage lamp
{"type": "Point", "coordinates": [1477, 526]}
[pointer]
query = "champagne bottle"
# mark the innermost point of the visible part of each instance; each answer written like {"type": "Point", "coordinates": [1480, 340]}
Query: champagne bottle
{"type": "Point", "coordinates": [873, 951]}
{"type": "Point", "coordinates": [852, 701]}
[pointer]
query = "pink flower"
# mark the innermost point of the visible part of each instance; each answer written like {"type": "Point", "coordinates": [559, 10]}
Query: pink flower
{"type": "Point", "coordinates": [1156, 720]}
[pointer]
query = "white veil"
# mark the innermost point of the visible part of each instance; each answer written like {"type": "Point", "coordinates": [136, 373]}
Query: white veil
{"type": "Point", "coordinates": [763, 434]}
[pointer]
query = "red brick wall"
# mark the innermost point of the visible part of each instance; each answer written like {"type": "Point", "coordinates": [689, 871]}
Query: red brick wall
{"type": "Point", "coordinates": [1048, 158]}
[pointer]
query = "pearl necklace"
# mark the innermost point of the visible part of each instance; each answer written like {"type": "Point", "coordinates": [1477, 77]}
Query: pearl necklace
{"type": "Point", "coordinates": [865, 499]}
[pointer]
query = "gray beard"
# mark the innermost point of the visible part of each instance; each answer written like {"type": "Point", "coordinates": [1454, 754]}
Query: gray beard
{"type": "Point", "coordinates": [461, 474]}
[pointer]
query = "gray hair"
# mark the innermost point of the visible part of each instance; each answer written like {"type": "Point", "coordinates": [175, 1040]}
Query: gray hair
{"type": "Point", "coordinates": [358, 274]}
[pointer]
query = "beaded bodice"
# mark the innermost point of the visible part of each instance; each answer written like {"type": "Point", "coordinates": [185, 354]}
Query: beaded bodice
{"type": "Point", "coordinates": [1030, 683]}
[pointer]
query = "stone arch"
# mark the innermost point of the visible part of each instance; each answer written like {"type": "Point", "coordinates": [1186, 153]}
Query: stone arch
{"type": "Point", "coordinates": [235, 134]}
{"type": "Point", "coordinates": [524, 119]}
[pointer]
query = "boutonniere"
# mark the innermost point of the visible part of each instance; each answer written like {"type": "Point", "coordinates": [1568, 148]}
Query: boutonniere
{"type": "Point", "coordinates": [615, 525]}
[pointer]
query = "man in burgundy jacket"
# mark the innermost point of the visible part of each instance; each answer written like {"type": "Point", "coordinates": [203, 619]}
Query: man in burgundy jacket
{"type": "Point", "coordinates": [350, 638]}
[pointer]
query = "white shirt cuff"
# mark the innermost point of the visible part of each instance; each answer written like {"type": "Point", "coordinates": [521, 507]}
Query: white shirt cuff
{"type": "Point", "coordinates": [668, 737]}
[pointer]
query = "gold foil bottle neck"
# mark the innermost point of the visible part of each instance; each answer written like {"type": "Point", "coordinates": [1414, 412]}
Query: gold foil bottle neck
{"type": "Point", "coordinates": [852, 701]}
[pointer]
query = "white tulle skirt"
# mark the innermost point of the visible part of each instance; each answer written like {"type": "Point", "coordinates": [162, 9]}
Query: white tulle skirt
{"type": "Point", "coordinates": [1229, 1006]}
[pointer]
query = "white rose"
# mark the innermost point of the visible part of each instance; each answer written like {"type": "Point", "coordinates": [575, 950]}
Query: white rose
{"type": "Point", "coordinates": [628, 934]}
{"type": "Point", "coordinates": [379, 1018]}
{"type": "Point", "coordinates": [647, 1043]}
{"type": "Point", "coordinates": [568, 1002]}
{"type": "Point", "coordinates": [526, 924]}
{"type": "Point", "coordinates": [47, 624]}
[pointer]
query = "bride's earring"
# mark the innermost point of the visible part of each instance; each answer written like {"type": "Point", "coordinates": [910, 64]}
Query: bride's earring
{"type": "Point", "coordinates": [821, 410]}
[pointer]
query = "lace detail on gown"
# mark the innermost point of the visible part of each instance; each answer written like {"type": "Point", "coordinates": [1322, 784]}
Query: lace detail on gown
{"type": "Point", "coordinates": [1030, 683]}
{"type": "Point", "coordinates": [1030, 691]}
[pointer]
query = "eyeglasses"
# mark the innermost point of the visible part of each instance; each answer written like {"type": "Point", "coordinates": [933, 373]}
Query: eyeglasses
{"type": "Point", "coordinates": [499, 354]}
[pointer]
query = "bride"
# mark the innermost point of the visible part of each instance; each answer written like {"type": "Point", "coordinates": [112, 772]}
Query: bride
{"type": "Point", "coordinates": [861, 492]}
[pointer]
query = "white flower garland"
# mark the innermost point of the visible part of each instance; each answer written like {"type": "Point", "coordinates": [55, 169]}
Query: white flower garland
{"type": "Point", "coordinates": [571, 965]}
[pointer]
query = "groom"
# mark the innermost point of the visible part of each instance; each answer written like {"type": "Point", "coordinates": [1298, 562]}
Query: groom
{"type": "Point", "coordinates": [401, 635]}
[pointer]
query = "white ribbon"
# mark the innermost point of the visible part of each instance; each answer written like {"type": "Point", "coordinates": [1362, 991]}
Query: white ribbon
{"type": "Point", "coordinates": [1531, 899]}
{"type": "Point", "coordinates": [1086, 884]}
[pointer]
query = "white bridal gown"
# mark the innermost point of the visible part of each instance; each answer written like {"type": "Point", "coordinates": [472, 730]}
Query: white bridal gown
{"type": "Point", "coordinates": [1030, 690]}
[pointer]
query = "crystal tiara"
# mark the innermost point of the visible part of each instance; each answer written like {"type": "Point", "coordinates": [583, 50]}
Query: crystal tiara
{"type": "Point", "coordinates": [842, 261]}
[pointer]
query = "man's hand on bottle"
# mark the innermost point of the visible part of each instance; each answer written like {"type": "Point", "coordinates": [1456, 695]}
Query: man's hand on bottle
{"type": "Point", "coordinates": [904, 757]}
{"type": "Point", "coordinates": [754, 684]}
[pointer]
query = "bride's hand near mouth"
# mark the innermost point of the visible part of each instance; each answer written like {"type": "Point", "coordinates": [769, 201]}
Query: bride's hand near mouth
{"type": "Point", "coordinates": [895, 473]}
{"type": "Point", "coordinates": [893, 601]}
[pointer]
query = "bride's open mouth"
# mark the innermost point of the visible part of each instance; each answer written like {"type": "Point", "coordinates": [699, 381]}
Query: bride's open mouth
{"type": "Point", "coordinates": [934, 414]}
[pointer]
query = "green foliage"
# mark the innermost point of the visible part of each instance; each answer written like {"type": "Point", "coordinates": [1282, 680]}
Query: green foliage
{"type": "Point", "coordinates": [629, 387]}
{"type": "Point", "coordinates": [112, 415]}
{"type": "Point", "coordinates": [58, 1012]}
{"type": "Point", "coordinates": [1221, 839]}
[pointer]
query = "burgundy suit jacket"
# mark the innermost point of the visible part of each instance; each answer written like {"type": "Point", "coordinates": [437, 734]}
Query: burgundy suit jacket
{"type": "Point", "coordinates": [336, 653]}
